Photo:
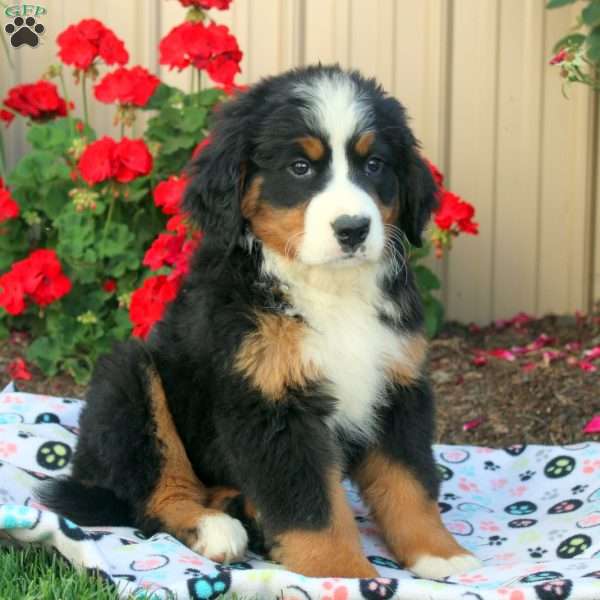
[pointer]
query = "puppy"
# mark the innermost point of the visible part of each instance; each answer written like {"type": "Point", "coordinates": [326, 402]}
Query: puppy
{"type": "Point", "coordinates": [293, 355]}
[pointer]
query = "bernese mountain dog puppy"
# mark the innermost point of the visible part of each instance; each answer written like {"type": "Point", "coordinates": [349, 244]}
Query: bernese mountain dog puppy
{"type": "Point", "coordinates": [293, 355]}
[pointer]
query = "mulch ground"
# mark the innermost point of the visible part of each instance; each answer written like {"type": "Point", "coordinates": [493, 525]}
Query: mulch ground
{"type": "Point", "coordinates": [519, 381]}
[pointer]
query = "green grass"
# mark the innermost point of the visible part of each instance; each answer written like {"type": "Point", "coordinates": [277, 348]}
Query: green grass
{"type": "Point", "coordinates": [37, 574]}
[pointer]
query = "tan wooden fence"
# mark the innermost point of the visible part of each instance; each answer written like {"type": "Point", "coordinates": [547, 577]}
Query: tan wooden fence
{"type": "Point", "coordinates": [488, 109]}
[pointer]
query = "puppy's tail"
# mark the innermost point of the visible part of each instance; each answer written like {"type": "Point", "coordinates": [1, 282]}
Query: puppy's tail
{"type": "Point", "coordinates": [84, 505]}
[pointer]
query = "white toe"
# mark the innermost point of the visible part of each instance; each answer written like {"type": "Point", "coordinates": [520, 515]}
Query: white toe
{"type": "Point", "coordinates": [221, 538]}
{"type": "Point", "coordinates": [434, 567]}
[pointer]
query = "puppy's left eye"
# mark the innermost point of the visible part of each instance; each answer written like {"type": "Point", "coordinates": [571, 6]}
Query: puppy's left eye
{"type": "Point", "coordinates": [373, 166]}
{"type": "Point", "coordinates": [300, 168]}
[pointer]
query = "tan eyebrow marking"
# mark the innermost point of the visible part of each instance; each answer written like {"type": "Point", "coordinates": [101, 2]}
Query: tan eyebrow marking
{"type": "Point", "coordinates": [312, 146]}
{"type": "Point", "coordinates": [364, 143]}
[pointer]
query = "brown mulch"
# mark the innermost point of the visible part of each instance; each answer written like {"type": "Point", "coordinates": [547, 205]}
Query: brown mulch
{"type": "Point", "coordinates": [547, 405]}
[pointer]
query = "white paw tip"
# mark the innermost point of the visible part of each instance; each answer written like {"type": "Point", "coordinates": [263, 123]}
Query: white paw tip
{"type": "Point", "coordinates": [221, 538]}
{"type": "Point", "coordinates": [434, 567]}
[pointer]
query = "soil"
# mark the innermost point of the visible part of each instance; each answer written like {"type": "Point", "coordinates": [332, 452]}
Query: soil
{"type": "Point", "coordinates": [535, 398]}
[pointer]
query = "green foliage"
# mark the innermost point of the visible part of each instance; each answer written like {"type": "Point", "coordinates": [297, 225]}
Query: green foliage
{"type": "Point", "coordinates": [582, 61]}
{"type": "Point", "coordinates": [99, 233]}
{"type": "Point", "coordinates": [427, 283]}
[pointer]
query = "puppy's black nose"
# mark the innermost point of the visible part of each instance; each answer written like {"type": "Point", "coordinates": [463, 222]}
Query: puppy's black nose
{"type": "Point", "coordinates": [351, 231]}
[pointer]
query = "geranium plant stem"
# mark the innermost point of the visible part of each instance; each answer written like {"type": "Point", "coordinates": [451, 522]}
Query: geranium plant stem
{"type": "Point", "coordinates": [85, 104]}
{"type": "Point", "coordinates": [3, 169]}
{"type": "Point", "coordinates": [63, 87]}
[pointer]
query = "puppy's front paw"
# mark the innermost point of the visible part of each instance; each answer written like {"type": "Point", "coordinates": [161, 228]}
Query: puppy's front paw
{"type": "Point", "coordinates": [220, 538]}
{"type": "Point", "coordinates": [434, 567]}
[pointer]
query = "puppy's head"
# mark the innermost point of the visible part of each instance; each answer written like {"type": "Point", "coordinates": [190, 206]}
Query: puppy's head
{"type": "Point", "coordinates": [319, 163]}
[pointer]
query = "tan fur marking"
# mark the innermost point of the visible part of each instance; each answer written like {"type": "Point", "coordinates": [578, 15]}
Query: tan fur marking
{"type": "Point", "coordinates": [179, 497]}
{"type": "Point", "coordinates": [364, 143]}
{"type": "Point", "coordinates": [331, 552]}
{"type": "Point", "coordinates": [408, 519]}
{"type": "Point", "coordinates": [271, 356]}
{"type": "Point", "coordinates": [313, 147]}
{"type": "Point", "coordinates": [407, 371]}
{"type": "Point", "coordinates": [218, 497]}
{"type": "Point", "coordinates": [280, 229]}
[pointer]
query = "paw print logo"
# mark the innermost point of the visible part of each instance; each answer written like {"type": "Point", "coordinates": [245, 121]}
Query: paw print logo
{"type": "Point", "coordinates": [554, 590]}
{"type": "Point", "coordinates": [573, 546]}
{"type": "Point", "coordinates": [560, 466]}
{"type": "Point", "coordinates": [566, 506]}
{"type": "Point", "coordinates": [7, 449]}
{"type": "Point", "coordinates": [537, 552]}
{"type": "Point", "coordinates": [526, 476]}
{"type": "Point", "coordinates": [521, 523]}
{"type": "Point", "coordinates": [53, 455]}
{"type": "Point", "coordinates": [24, 31]}
{"type": "Point", "coordinates": [579, 489]}
{"type": "Point", "coordinates": [490, 465]}
{"type": "Point", "coordinates": [334, 591]}
{"type": "Point", "coordinates": [523, 507]}
{"type": "Point", "coordinates": [550, 494]}
{"type": "Point", "coordinates": [591, 466]}
{"type": "Point", "coordinates": [450, 496]}
{"type": "Point", "coordinates": [379, 588]}
{"type": "Point", "coordinates": [496, 540]}
{"type": "Point", "coordinates": [489, 526]}
{"type": "Point", "coordinates": [444, 472]}
{"type": "Point", "coordinates": [467, 486]}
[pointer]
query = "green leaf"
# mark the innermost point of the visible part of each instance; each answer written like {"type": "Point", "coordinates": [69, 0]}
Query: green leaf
{"type": "Point", "coordinates": [593, 41]}
{"type": "Point", "coordinates": [591, 14]}
{"type": "Point", "coordinates": [182, 142]}
{"type": "Point", "coordinates": [208, 97]}
{"type": "Point", "coordinates": [46, 354]}
{"type": "Point", "coordinates": [434, 316]}
{"type": "Point", "coordinates": [76, 234]}
{"type": "Point", "coordinates": [559, 3]}
{"type": "Point", "coordinates": [116, 241]}
{"type": "Point", "coordinates": [573, 40]}
{"type": "Point", "coordinates": [79, 369]}
{"type": "Point", "coordinates": [162, 96]}
{"type": "Point", "coordinates": [193, 120]}
{"type": "Point", "coordinates": [426, 279]}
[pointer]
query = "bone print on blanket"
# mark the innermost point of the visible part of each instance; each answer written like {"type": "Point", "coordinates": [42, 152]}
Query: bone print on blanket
{"type": "Point", "coordinates": [531, 514]}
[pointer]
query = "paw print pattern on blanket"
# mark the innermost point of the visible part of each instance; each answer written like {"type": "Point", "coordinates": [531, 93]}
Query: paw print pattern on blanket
{"type": "Point", "coordinates": [543, 543]}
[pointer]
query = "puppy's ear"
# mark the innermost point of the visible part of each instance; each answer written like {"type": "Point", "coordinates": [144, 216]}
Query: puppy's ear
{"type": "Point", "coordinates": [214, 194]}
{"type": "Point", "coordinates": [417, 200]}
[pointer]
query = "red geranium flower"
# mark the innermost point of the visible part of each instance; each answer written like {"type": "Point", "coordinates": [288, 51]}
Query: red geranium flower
{"type": "Point", "coordinates": [149, 301]}
{"type": "Point", "coordinates": [40, 100]}
{"type": "Point", "coordinates": [560, 57]}
{"type": "Point", "coordinates": [209, 47]}
{"type": "Point", "coordinates": [104, 159]}
{"type": "Point", "coordinates": [133, 160]}
{"type": "Point", "coordinates": [127, 86]}
{"type": "Point", "coordinates": [177, 224]}
{"type": "Point", "coordinates": [164, 251]}
{"type": "Point", "coordinates": [109, 286]}
{"type": "Point", "coordinates": [6, 116]}
{"type": "Point", "coordinates": [97, 161]}
{"type": "Point", "coordinates": [12, 295]}
{"type": "Point", "coordinates": [42, 277]}
{"type": "Point", "coordinates": [17, 369]}
{"type": "Point", "coordinates": [9, 209]}
{"type": "Point", "coordinates": [168, 194]}
{"type": "Point", "coordinates": [438, 176]}
{"type": "Point", "coordinates": [207, 4]}
{"type": "Point", "coordinates": [38, 276]}
{"type": "Point", "coordinates": [89, 39]}
{"type": "Point", "coordinates": [452, 211]}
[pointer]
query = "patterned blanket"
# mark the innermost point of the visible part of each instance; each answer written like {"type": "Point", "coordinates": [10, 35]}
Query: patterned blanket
{"type": "Point", "coordinates": [530, 513]}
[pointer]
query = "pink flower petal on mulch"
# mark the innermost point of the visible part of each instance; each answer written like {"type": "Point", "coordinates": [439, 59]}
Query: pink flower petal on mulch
{"type": "Point", "coordinates": [528, 367]}
{"type": "Point", "coordinates": [593, 425]}
{"type": "Point", "coordinates": [573, 346]}
{"type": "Point", "coordinates": [521, 319]}
{"type": "Point", "coordinates": [540, 342]}
{"type": "Point", "coordinates": [519, 349]}
{"type": "Point", "coordinates": [592, 353]}
{"type": "Point", "coordinates": [549, 356]}
{"type": "Point", "coordinates": [472, 424]}
{"type": "Point", "coordinates": [474, 328]}
{"type": "Point", "coordinates": [479, 360]}
{"type": "Point", "coordinates": [503, 354]}
{"type": "Point", "coordinates": [584, 365]}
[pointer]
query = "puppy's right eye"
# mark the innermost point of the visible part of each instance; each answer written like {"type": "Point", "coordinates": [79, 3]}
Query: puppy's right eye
{"type": "Point", "coordinates": [300, 168]}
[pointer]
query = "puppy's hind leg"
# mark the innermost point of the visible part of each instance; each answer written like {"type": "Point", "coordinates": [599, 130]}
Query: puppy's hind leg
{"type": "Point", "coordinates": [179, 501]}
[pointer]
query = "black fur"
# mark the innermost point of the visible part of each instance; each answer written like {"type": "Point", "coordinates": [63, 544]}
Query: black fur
{"type": "Point", "coordinates": [277, 454]}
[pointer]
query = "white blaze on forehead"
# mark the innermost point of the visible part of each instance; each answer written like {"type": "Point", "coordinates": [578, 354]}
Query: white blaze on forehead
{"type": "Point", "coordinates": [338, 110]}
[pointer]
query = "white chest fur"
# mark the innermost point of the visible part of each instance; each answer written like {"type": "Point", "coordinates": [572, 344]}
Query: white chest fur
{"type": "Point", "coordinates": [345, 340]}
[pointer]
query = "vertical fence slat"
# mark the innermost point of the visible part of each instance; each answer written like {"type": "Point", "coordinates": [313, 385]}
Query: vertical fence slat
{"type": "Point", "coordinates": [472, 153]}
